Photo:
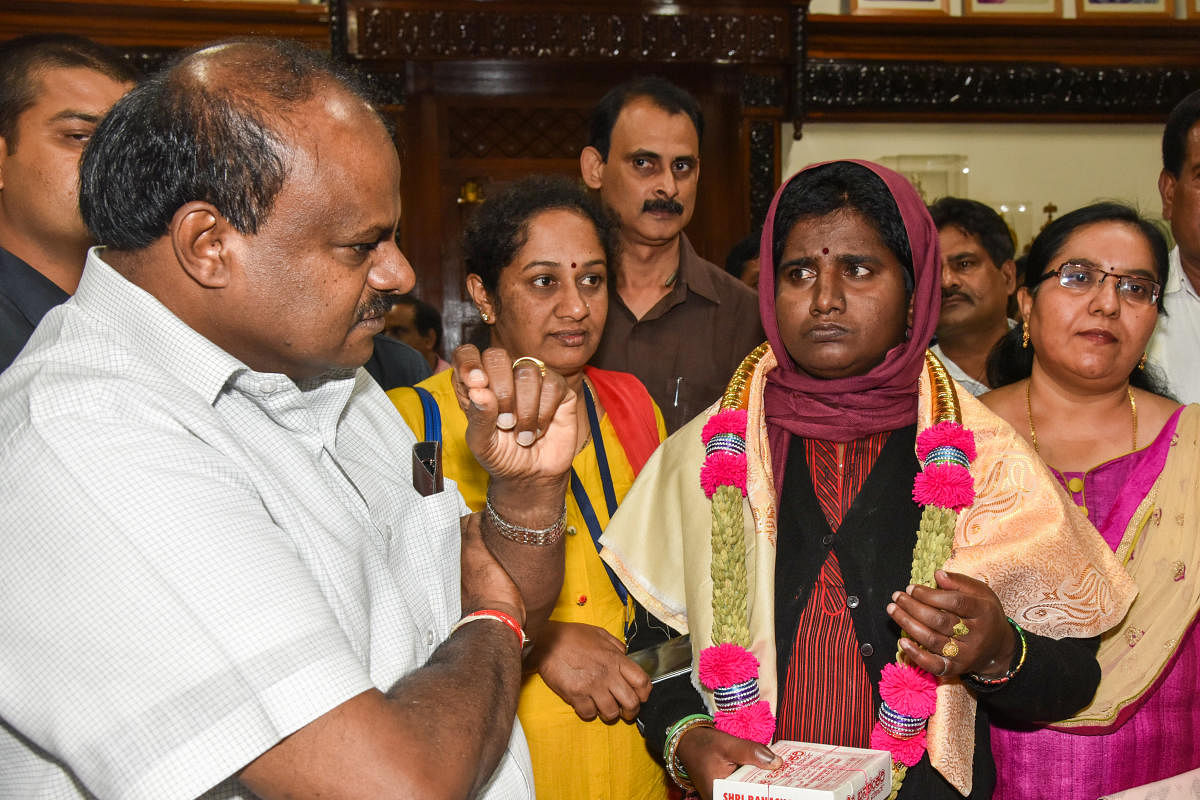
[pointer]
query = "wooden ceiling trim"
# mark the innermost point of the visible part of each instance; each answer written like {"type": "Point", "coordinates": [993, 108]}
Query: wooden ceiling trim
{"type": "Point", "coordinates": [165, 24]}
{"type": "Point", "coordinates": [619, 31]}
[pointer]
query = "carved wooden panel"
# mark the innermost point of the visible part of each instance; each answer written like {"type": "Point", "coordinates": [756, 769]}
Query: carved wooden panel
{"type": "Point", "coordinates": [913, 89]}
{"type": "Point", "coordinates": [764, 158]}
{"type": "Point", "coordinates": [761, 90]}
{"type": "Point", "coordinates": [491, 132]}
{"type": "Point", "coordinates": [395, 32]}
{"type": "Point", "coordinates": [1053, 70]}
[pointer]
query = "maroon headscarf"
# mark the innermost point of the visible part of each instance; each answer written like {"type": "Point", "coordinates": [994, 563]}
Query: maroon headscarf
{"type": "Point", "coordinates": [843, 409]}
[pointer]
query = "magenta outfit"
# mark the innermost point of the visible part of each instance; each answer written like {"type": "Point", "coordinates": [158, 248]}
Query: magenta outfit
{"type": "Point", "coordinates": [1158, 738]}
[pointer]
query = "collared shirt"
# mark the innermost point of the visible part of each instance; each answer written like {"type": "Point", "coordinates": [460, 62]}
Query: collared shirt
{"type": "Point", "coordinates": [25, 297]}
{"type": "Point", "coordinates": [1175, 346]}
{"type": "Point", "coordinates": [688, 345]}
{"type": "Point", "coordinates": [199, 559]}
{"type": "Point", "coordinates": [970, 384]}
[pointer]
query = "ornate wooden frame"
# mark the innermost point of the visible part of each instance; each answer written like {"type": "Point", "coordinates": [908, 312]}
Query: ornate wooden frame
{"type": "Point", "coordinates": [995, 69]}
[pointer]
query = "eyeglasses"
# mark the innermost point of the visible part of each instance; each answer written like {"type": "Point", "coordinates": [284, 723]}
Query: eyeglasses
{"type": "Point", "coordinates": [1082, 276]}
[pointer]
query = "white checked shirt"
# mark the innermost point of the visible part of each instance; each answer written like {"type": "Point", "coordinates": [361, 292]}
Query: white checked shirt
{"type": "Point", "coordinates": [197, 560]}
{"type": "Point", "coordinates": [1175, 346]}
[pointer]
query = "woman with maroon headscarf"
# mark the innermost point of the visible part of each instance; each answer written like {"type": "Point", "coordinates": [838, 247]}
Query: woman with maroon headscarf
{"type": "Point", "coordinates": [791, 576]}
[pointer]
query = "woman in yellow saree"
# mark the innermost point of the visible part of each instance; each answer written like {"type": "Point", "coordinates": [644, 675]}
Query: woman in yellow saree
{"type": "Point", "coordinates": [538, 256]}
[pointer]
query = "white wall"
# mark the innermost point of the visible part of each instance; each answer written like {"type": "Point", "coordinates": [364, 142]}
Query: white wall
{"type": "Point", "coordinates": [1068, 165]}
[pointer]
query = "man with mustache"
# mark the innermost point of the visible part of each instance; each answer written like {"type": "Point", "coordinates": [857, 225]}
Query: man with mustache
{"type": "Point", "coordinates": [678, 322]}
{"type": "Point", "coordinates": [978, 276]}
{"type": "Point", "coordinates": [229, 569]}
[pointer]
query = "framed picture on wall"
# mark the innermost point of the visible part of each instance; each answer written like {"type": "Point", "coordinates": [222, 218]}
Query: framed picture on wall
{"type": "Point", "coordinates": [1013, 8]}
{"type": "Point", "coordinates": [1135, 8]}
{"type": "Point", "coordinates": [905, 7]}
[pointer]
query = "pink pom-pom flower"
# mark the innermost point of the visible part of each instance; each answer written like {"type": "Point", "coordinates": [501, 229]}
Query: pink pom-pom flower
{"type": "Point", "coordinates": [907, 751]}
{"type": "Point", "coordinates": [731, 420]}
{"type": "Point", "coordinates": [725, 665]}
{"type": "Point", "coordinates": [723, 469]}
{"type": "Point", "coordinates": [946, 434]}
{"type": "Point", "coordinates": [755, 723]}
{"type": "Point", "coordinates": [945, 486]}
{"type": "Point", "coordinates": [909, 690]}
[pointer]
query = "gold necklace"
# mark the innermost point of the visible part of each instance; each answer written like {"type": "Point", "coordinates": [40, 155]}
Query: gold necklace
{"type": "Point", "coordinates": [1033, 431]}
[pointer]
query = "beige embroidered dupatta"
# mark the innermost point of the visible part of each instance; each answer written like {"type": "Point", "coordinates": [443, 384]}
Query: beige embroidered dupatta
{"type": "Point", "coordinates": [1161, 551]}
{"type": "Point", "coordinates": [1052, 571]}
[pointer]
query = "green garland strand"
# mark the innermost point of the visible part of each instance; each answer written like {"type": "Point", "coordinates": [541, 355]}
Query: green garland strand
{"type": "Point", "coordinates": [935, 534]}
{"type": "Point", "coordinates": [935, 539]}
{"type": "Point", "coordinates": [730, 617]}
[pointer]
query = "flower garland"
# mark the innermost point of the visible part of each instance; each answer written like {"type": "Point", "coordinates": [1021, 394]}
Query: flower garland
{"type": "Point", "coordinates": [727, 668]}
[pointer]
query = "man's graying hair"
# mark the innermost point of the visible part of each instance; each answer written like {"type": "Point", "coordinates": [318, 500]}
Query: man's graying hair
{"type": "Point", "coordinates": [178, 138]}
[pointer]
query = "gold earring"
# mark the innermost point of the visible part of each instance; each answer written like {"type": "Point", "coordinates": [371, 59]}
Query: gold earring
{"type": "Point", "coordinates": [1142, 363]}
{"type": "Point", "coordinates": [483, 315]}
{"type": "Point", "coordinates": [1024, 335]}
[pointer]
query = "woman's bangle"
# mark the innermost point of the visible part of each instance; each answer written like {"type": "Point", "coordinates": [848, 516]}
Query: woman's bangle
{"type": "Point", "coordinates": [674, 736]}
{"type": "Point", "coordinates": [539, 537]}
{"type": "Point", "coordinates": [984, 682]}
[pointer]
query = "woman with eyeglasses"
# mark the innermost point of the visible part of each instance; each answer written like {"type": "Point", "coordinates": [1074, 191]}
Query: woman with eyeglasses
{"type": "Point", "coordinates": [1073, 379]}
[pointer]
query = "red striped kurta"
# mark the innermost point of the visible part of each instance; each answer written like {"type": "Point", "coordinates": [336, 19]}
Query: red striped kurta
{"type": "Point", "coordinates": [826, 697]}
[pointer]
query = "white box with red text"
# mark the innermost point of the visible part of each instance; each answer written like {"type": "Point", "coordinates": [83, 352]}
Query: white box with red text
{"type": "Point", "coordinates": [812, 772]}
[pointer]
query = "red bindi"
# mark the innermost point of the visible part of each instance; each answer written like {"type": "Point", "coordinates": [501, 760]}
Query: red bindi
{"type": "Point", "coordinates": [825, 251]}
{"type": "Point", "coordinates": [573, 265]}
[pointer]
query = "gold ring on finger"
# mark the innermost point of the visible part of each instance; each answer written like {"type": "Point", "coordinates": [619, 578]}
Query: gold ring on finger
{"type": "Point", "coordinates": [950, 648]}
{"type": "Point", "coordinates": [537, 362]}
{"type": "Point", "coordinates": [961, 629]}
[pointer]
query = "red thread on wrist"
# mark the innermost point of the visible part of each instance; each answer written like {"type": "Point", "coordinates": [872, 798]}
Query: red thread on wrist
{"type": "Point", "coordinates": [499, 616]}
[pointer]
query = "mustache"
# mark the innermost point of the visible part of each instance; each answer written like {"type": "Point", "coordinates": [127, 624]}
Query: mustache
{"type": "Point", "coordinates": [663, 204]}
{"type": "Point", "coordinates": [947, 295]}
{"type": "Point", "coordinates": [376, 306]}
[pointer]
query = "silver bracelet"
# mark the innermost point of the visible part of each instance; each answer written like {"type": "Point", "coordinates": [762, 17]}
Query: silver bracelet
{"type": "Point", "coordinates": [539, 537]}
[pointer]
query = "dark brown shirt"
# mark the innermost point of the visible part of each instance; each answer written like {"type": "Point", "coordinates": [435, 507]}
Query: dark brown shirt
{"type": "Point", "coordinates": [687, 346]}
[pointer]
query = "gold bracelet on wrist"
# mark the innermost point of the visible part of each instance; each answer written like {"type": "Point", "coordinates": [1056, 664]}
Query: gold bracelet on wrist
{"type": "Point", "coordinates": [538, 537]}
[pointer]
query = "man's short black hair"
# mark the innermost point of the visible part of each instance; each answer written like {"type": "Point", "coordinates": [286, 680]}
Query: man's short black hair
{"type": "Point", "coordinates": [839, 185]}
{"type": "Point", "coordinates": [177, 139]}
{"type": "Point", "coordinates": [740, 253]}
{"type": "Point", "coordinates": [22, 60]}
{"type": "Point", "coordinates": [659, 91]}
{"type": "Point", "coordinates": [425, 317]}
{"type": "Point", "coordinates": [975, 219]}
{"type": "Point", "coordinates": [1175, 135]}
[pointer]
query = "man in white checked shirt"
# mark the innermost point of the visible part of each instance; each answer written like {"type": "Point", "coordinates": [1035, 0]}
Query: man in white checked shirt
{"type": "Point", "coordinates": [216, 576]}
